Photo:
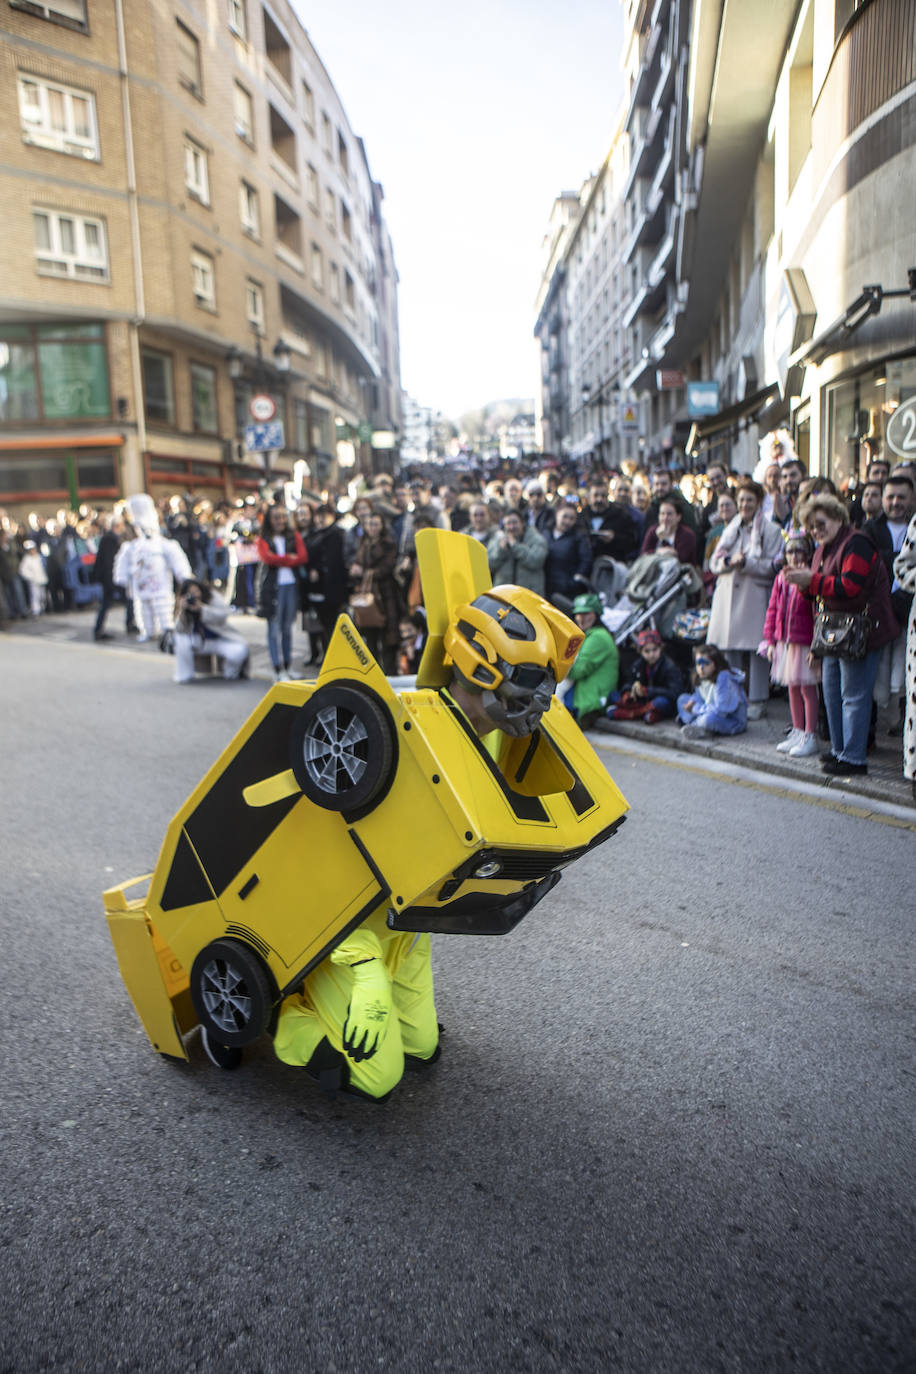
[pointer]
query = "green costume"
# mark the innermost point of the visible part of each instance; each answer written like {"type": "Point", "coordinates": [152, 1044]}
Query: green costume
{"type": "Point", "coordinates": [595, 672]}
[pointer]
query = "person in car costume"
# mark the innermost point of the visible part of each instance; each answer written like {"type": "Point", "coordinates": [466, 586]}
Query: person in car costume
{"type": "Point", "coordinates": [368, 1010]}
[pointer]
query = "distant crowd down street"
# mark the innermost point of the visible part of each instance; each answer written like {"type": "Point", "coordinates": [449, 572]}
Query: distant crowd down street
{"type": "Point", "coordinates": [700, 594]}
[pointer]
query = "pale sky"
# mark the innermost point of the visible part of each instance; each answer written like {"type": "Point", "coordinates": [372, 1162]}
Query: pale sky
{"type": "Point", "coordinates": [474, 116]}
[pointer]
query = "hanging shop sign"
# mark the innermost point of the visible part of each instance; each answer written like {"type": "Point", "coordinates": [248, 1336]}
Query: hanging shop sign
{"type": "Point", "coordinates": [702, 399]}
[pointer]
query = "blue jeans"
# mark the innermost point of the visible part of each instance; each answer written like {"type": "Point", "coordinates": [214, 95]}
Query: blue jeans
{"type": "Point", "coordinates": [280, 626]}
{"type": "Point", "coordinates": [848, 685]}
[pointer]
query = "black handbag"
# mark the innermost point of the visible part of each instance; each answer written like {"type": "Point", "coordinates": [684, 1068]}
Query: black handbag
{"type": "Point", "coordinates": [841, 634]}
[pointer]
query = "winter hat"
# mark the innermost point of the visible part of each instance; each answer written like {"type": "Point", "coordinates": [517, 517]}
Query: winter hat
{"type": "Point", "coordinates": [647, 637]}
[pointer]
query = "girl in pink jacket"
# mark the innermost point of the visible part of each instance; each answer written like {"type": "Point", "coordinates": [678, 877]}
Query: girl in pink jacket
{"type": "Point", "coordinates": [787, 633]}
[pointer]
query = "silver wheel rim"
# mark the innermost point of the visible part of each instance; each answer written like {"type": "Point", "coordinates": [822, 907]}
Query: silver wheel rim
{"type": "Point", "coordinates": [224, 993]}
{"type": "Point", "coordinates": [336, 748]}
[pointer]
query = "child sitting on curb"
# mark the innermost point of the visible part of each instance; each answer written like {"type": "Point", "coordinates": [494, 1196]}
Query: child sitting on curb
{"type": "Point", "coordinates": [652, 686]}
{"type": "Point", "coordinates": [718, 703]}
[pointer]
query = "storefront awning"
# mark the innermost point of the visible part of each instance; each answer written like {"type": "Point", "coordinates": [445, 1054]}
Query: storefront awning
{"type": "Point", "coordinates": [724, 419]}
{"type": "Point", "coordinates": [63, 441]}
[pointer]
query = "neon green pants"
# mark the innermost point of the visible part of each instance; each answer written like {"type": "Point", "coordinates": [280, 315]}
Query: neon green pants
{"type": "Point", "coordinates": [319, 1012]}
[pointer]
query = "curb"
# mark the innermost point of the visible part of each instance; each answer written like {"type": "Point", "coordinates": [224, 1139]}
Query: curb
{"type": "Point", "coordinates": [872, 788]}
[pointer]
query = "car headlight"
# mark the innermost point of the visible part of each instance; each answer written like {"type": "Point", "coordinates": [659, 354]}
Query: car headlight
{"type": "Point", "coordinates": [489, 869]}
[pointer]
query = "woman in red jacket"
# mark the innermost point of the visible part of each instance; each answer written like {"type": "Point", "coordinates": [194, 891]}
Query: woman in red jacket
{"type": "Point", "coordinates": [847, 575]}
{"type": "Point", "coordinates": [281, 550]}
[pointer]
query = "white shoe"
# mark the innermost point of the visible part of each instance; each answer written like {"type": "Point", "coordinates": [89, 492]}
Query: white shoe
{"type": "Point", "coordinates": [142, 639]}
{"type": "Point", "coordinates": [282, 676]}
{"type": "Point", "coordinates": [792, 738]}
{"type": "Point", "coordinates": [805, 747]}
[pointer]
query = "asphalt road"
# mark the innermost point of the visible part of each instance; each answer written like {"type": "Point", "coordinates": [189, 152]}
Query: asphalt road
{"type": "Point", "coordinates": [672, 1128]}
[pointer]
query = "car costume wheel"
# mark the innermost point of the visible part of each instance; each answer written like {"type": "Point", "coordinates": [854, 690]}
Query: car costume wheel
{"type": "Point", "coordinates": [231, 992]}
{"type": "Point", "coordinates": [342, 749]}
{"type": "Point", "coordinates": [223, 1056]}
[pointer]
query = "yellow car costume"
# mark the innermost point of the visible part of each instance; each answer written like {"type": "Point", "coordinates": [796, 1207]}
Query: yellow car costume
{"type": "Point", "coordinates": [297, 887]}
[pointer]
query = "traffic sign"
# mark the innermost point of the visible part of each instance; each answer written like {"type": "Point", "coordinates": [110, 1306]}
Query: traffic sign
{"type": "Point", "coordinates": [629, 419]}
{"type": "Point", "coordinates": [901, 431]}
{"type": "Point", "coordinates": [262, 407]}
{"type": "Point", "coordinates": [264, 438]}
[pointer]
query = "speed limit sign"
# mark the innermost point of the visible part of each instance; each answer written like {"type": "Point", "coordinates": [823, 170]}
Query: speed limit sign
{"type": "Point", "coordinates": [901, 431]}
{"type": "Point", "coordinates": [262, 408]}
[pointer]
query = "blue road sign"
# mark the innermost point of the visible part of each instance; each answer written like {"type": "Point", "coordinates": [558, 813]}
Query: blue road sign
{"type": "Point", "coordinates": [264, 438]}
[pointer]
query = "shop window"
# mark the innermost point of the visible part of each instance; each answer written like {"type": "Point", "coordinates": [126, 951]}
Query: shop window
{"type": "Point", "coordinates": [858, 410]}
{"type": "Point", "coordinates": [50, 473]}
{"type": "Point", "coordinates": [204, 413]}
{"type": "Point", "coordinates": [60, 118]}
{"type": "Point", "coordinates": [158, 387]}
{"type": "Point", "coordinates": [53, 372]}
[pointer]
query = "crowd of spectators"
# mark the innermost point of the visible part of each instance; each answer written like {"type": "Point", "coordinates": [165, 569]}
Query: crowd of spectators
{"type": "Point", "coordinates": [550, 528]}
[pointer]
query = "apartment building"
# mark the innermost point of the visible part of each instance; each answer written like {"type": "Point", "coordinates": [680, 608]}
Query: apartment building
{"type": "Point", "coordinates": [190, 220]}
{"type": "Point", "coordinates": [802, 263]}
{"type": "Point", "coordinates": [599, 353]}
{"type": "Point", "coordinates": [655, 71]}
{"type": "Point", "coordinates": [551, 330]}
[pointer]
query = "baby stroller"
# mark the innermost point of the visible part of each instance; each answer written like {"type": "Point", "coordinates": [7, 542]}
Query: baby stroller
{"type": "Point", "coordinates": [607, 580]}
{"type": "Point", "coordinates": [656, 592]}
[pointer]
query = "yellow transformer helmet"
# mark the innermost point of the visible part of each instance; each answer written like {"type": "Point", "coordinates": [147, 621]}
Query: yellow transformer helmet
{"type": "Point", "coordinates": [513, 647]}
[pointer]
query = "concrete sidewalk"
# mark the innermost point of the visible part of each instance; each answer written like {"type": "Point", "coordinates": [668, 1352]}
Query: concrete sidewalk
{"type": "Point", "coordinates": [755, 749]}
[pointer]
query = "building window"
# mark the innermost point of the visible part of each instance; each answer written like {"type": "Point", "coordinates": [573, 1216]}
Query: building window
{"type": "Point", "coordinates": [238, 22]}
{"type": "Point", "coordinates": [308, 105]}
{"type": "Point", "coordinates": [53, 372]}
{"type": "Point", "coordinates": [279, 53]}
{"type": "Point", "coordinates": [70, 246]}
{"type": "Point", "coordinates": [349, 292]}
{"type": "Point", "coordinates": [71, 13]}
{"type": "Point", "coordinates": [311, 186]}
{"type": "Point", "coordinates": [58, 117]}
{"type": "Point", "coordinates": [189, 74]}
{"type": "Point", "coordinates": [282, 139]}
{"type": "Point", "coordinates": [249, 210]}
{"type": "Point", "coordinates": [243, 113]}
{"type": "Point", "coordinates": [254, 305]}
{"type": "Point", "coordinates": [335, 282]}
{"type": "Point", "coordinates": [158, 388]}
{"type": "Point", "coordinates": [204, 412]}
{"type": "Point", "coordinates": [326, 133]}
{"type": "Point", "coordinates": [346, 223]}
{"type": "Point", "coordinates": [343, 154]}
{"type": "Point", "coordinates": [195, 171]}
{"type": "Point", "coordinates": [288, 229]}
{"type": "Point", "coordinates": [204, 279]}
{"type": "Point", "coordinates": [317, 267]}
{"type": "Point", "coordinates": [330, 210]}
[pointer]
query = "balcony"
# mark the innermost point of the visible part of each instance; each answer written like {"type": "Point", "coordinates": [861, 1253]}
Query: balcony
{"type": "Point", "coordinates": [649, 223]}
{"type": "Point", "coordinates": [665, 84]}
{"type": "Point", "coordinates": [645, 77]}
{"type": "Point", "coordinates": [642, 146]}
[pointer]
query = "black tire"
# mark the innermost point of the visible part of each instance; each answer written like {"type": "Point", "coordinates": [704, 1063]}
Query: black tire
{"type": "Point", "coordinates": [231, 992]}
{"type": "Point", "coordinates": [342, 749]}
{"type": "Point", "coordinates": [223, 1056]}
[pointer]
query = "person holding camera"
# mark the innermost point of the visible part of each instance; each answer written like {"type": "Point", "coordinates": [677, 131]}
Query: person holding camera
{"type": "Point", "coordinates": [201, 627]}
